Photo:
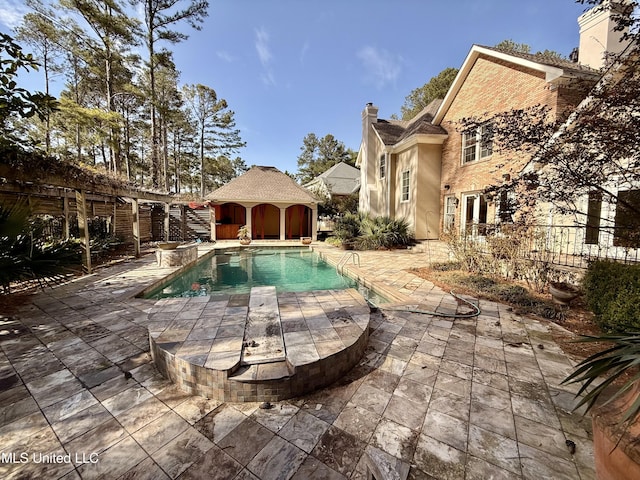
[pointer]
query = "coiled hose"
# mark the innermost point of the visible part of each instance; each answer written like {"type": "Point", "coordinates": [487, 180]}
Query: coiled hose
{"type": "Point", "coordinates": [473, 314]}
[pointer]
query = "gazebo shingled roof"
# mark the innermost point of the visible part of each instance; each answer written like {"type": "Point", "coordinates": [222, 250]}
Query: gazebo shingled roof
{"type": "Point", "coordinates": [262, 184]}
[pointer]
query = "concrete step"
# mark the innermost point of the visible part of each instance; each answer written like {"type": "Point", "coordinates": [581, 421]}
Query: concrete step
{"type": "Point", "coordinates": [263, 372]}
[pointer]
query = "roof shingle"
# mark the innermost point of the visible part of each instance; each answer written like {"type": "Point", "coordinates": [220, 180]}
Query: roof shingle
{"type": "Point", "coordinates": [394, 131]}
{"type": "Point", "coordinates": [262, 184]}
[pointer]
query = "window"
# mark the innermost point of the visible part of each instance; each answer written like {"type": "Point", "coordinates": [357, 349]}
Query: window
{"type": "Point", "coordinates": [383, 165]}
{"type": "Point", "coordinates": [450, 204]}
{"type": "Point", "coordinates": [405, 186]}
{"type": "Point", "coordinates": [506, 206]}
{"type": "Point", "coordinates": [594, 208]}
{"type": "Point", "coordinates": [627, 226]}
{"type": "Point", "coordinates": [477, 144]}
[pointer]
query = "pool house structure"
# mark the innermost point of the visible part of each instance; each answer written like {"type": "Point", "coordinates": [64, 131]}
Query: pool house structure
{"type": "Point", "coordinates": [270, 203]}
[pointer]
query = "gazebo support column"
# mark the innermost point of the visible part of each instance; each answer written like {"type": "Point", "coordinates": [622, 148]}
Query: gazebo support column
{"type": "Point", "coordinates": [314, 221]}
{"type": "Point", "coordinates": [135, 210]}
{"type": "Point", "coordinates": [283, 216]}
{"type": "Point", "coordinates": [247, 217]}
{"type": "Point", "coordinates": [83, 227]}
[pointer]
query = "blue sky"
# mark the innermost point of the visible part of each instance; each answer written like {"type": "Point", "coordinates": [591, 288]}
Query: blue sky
{"type": "Point", "coordinates": [292, 67]}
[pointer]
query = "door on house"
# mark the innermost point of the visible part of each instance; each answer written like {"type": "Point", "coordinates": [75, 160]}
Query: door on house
{"type": "Point", "coordinates": [474, 214]}
{"type": "Point", "coordinates": [450, 205]}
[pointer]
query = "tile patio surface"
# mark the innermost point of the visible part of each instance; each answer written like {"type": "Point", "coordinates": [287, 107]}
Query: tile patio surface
{"type": "Point", "coordinates": [455, 399]}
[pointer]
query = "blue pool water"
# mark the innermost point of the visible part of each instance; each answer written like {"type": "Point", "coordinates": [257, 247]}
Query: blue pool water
{"type": "Point", "coordinates": [288, 269]}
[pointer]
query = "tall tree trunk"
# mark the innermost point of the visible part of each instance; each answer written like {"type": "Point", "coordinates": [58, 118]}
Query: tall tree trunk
{"type": "Point", "coordinates": [155, 161]}
{"type": "Point", "coordinates": [127, 141]}
{"type": "Point", "coordinates": [202, 160]}
{"type": "Point", "coordinates": [47, 133]}
{"type": "Point", "coordinates": [165, 156]}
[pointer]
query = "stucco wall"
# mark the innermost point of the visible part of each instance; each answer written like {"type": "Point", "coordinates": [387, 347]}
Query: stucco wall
{"type": "Point", "coordinates": [407, 160]}
{"type": "Point", "coordinates": [378, 201]}
{"type": "Point", "coordinates": [422, 209]}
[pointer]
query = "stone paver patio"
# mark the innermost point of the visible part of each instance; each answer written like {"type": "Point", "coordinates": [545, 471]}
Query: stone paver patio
{"type": "Point", "coordinates": [469, 399]}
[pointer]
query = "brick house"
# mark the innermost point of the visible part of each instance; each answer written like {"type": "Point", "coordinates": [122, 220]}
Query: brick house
{"type": "Point", "coordinates": [491, 82]}
{"type": "Point", "coordinates": [431, 172]}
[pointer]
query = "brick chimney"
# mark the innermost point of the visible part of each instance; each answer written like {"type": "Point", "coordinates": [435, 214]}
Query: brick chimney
{"type": "Point", "coordinates": [367, 160]}
{"type": "Point", "coordinates": [369, 117]}
{"type": "Point", "coordinates": [598, 36]}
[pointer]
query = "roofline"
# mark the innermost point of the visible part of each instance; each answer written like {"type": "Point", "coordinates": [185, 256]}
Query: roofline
{"type": "Point", "coordinates": [607, 78]}
{"type": "Point", "coordinates": [384, 145]}
{"type": "Point", "coordinates": [256, 202]}
{"type": "Point", "coordinates": [552, 74]}
{"type": "Point", "coordinates": [428, 138]}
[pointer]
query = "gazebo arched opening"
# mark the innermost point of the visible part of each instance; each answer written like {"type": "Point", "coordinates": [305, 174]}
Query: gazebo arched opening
{"type": "Point", "coordinates": [265, 222]}
{"type": "Point", "coordinates": [298, 221]}
{"type": "Point", "coordinates": [229, 217]}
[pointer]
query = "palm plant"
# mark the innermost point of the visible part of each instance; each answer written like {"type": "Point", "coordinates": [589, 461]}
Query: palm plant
{"type": "Point", "coordinates": [610, 364]}
{"type": "Point", "coordinates": [347, 227]}
{"type": "Point", "coordinates": [384, 232]}
{"type": "Point", "coordinates": [24, 253]}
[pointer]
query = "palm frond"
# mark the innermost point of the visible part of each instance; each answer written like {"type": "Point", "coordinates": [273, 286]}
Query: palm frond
{"type": "Point", "coordinates": [610, 364]}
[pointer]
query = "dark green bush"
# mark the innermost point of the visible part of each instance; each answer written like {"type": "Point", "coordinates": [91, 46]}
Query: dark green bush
{"type": "Point", "coordinates": [612, 292]}
{"type": "Point", "coordinates": [25, 254]}
{"type": "Point", "coordinates": [383, 232]}
{"type": "Point", "coordinates": [367, 233]}
{"type": "Point", "coordinates": [347, 227]}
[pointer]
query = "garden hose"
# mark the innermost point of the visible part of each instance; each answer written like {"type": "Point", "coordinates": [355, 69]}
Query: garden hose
{"type": "Point", "coordinates": [473, 314]}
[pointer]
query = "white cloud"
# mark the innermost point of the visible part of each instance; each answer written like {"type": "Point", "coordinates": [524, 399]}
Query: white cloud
{"type": "Point", "coordinates": [382, 67]}
{"type": "Point", "coordinates": [262, 46]}
{"type": "Point", "coordinates": [303, 52]}
{"type": "Point", "coordinates": [265, 56]}
{"type": "Point", "coordinates": [226, 56]}
{"type": "Point", "coordinates": [11, 12]}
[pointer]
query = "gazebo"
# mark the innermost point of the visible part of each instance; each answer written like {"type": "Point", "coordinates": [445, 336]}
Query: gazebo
{"type": "Point", "coordinates": [270, 203]}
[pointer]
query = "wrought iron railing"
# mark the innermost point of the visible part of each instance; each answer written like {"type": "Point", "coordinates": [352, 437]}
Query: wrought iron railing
{"type": "Point", "coordinates": [565, 245]}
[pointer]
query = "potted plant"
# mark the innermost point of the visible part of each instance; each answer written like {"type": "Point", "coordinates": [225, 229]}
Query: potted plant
{"type": "Point", "coordinates": [563, 293]}
{"type": "Point", "coordinates": [616, 421]}
{"type": "Point", "coordinates": [244, 235]}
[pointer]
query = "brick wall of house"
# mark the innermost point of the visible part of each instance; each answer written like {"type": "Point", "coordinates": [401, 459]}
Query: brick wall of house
{"type": "Point", "coordinates": [492, 86]}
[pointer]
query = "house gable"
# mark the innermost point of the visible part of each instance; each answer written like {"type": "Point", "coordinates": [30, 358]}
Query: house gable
{"type": "Point", "coordinates": [553, 71]}
{"type": "Point", "coordinates": [492, 82]}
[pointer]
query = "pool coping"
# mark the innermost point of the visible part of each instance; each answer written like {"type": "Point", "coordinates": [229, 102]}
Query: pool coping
{"type": "Point", "coordinates": [197, 369]}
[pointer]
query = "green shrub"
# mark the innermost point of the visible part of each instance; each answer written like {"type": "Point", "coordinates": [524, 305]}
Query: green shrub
{"type": "Point", "coordinates": [25, 254]}
{"type": "Point", "coordinates": [383, 232]}
{"type": "Point", "coordinates": [612, 292]}
{"type": "Point", "coordinates": [368, 233]}
{"type": "Point", "coordinates": [347, 227]}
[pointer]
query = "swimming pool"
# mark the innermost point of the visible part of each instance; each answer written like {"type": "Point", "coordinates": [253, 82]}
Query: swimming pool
{"type": "Point", "coordinates": [236, 271]}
